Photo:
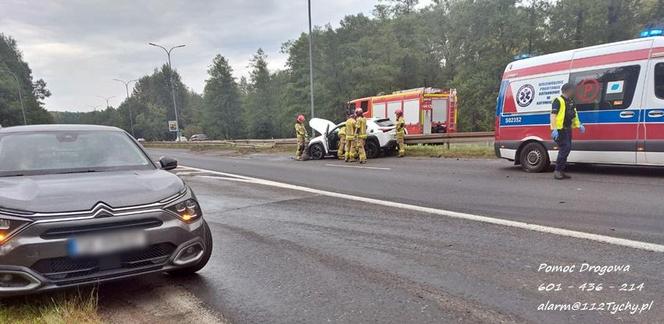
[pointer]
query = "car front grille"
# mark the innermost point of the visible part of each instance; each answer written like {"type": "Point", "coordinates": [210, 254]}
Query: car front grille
{"type": "Point", "coordinates": [67, 270]}
{"type": "Point", "coordinates": [69, 231]}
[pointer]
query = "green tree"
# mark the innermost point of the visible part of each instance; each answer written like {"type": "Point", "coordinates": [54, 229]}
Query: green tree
{"type": "Point", "coordinates": [222, 111]}
{"type": "Point", "coordinates": [260, 105]}
{"type": "Point", "coordinates": [33, 92]}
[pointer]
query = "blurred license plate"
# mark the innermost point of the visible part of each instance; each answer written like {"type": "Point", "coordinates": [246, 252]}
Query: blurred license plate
{"type": "Point", "coordinates": [106, 243]}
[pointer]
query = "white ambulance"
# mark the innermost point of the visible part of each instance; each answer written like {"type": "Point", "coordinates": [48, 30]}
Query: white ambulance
{"type": "Point", "coordinates": [620, 100]}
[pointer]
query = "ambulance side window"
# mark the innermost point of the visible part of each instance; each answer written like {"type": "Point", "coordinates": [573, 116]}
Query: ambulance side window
{"type": "Point", "coordinates": [659, 80]}
{"type": "Point", "coordinates": [605, 89]}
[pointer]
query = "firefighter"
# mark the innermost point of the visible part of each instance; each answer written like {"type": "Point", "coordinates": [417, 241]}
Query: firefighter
{"type": "Point", "coordinates": [302, 136]}
{"type": "Point", "coordinates": [342, 143]}
{"type": "Point", "coordinates": [401, 132]}
{"type": "Point", "coordinates": [361, 134]}
{"type": "Point", "coordinates": [564, 118]}
{"type": "Point", "coordinates": [350, 139]}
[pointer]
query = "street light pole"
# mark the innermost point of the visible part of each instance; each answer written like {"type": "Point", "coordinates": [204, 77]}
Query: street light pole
{"type": "Point", "coordinates": [107, 99]}
{"type": "Point", "coordinates": [311, 64]}
{"type": "Point", "coordinates": [170, 70]}
{"type": "Point", "coordinates": [20, 95]}
{"type": "Point", "coordinates": [131, 118]}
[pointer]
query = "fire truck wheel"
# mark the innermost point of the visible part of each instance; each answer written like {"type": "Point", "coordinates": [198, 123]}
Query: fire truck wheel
{"type": "Point", "coordinates": [372, 149]}
{"type": "Point", "coordinates": [534, 158]}
{"type": "Point", "coordinates": [316, 151]}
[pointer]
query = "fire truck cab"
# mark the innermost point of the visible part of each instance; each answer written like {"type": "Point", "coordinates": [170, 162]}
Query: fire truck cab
{"type": "Point", "coordinates": [426, 110]}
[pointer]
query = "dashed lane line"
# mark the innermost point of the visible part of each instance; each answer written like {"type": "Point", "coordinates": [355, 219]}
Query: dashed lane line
{"type": "Point", "coordinates": [452, 214]}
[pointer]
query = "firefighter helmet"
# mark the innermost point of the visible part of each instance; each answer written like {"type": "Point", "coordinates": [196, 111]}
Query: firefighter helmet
{"type": "Point", "coordinates": [300, 118]}
{"type": "Point", "coordinates": [399, 112]}
{"type": "Point", "coordinates": [359, 112]}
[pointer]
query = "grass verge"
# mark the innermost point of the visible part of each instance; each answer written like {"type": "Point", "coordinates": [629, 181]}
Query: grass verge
{"type": "Point", "coordinates": [59, 308]}
{"type": "Point", "coordinates": [477, 151]}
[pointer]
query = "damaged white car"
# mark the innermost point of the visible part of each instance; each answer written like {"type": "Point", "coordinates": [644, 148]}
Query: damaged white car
{"type": "Point", "coordinates": [381, 138]}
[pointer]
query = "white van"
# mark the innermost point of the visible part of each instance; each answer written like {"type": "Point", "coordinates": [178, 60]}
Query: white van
{"type": "Point", "coordinates": [620, 100]}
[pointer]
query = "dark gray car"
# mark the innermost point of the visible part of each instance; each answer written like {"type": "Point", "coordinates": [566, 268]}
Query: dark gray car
{"type": "Point", "coordinates": [82, 204]}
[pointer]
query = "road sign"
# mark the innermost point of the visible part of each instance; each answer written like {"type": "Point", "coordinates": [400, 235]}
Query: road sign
{"type": "Point", "coordinates": [172, 126]}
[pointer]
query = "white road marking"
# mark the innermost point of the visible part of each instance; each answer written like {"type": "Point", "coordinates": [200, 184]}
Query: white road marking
{"type": "Point", "coordinates": [225, 178]}
{"type": "Point", "coordinates": [452, 214]}
{"type": "Point", "coordinates": [186, 173]}
{"type": "Point", "coordinates": [356, 166]}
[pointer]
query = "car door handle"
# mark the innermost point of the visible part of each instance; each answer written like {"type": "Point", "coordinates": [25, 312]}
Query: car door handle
{"type": "Point", "coordinates": [626, 114]}
{"type": "Point", "coordinates": [655, 114]}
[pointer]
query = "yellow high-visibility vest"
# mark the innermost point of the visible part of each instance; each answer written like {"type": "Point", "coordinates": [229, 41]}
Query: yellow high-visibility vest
{"type": "Point", "coordinates": [560, 117]}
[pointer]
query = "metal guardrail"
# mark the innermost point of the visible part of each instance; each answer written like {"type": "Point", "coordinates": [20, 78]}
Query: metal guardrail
{"type": "Point", "coordinates": [443, 138]}
{"type": "Point", "coordinates": [447, 138]}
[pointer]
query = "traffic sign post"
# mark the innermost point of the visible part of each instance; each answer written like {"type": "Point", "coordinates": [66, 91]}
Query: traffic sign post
{"type": "Point", "coordinates": [172, 126]}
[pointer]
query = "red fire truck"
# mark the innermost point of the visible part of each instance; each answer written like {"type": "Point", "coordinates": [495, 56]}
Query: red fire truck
{"type": "Point", "coordinates": [426, 110]}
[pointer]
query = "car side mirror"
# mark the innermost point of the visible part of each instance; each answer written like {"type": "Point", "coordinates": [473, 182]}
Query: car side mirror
{"type": "Point", "coordinates": [168, 163]}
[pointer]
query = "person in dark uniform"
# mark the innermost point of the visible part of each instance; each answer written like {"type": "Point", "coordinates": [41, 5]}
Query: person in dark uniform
{"type": "Point", "coordinates": [564, 118]}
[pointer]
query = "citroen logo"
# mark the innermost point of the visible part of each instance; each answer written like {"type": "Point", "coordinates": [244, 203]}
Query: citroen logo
{"type": "Point", "coordinates": [102, 210]}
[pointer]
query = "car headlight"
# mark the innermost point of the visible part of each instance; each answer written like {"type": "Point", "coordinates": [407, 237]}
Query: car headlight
{"type": "Point", "coordinates": [187, 210]}
{"type": "Point", "coordinates": [9, 226]}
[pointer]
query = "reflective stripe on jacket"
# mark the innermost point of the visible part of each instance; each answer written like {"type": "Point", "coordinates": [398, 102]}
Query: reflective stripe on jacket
{"type": "Point", "coordinates": [560, 117]}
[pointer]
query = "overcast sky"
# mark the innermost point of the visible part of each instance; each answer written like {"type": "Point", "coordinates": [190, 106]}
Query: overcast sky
{"type": "Point", "coordinates": [79, 46]}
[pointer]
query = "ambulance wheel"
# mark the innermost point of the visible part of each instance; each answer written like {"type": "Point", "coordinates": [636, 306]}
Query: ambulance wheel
{"type": "Point", "coordinates": [534, 158]}
{"type": "Point", "coordinates": [316, 151]}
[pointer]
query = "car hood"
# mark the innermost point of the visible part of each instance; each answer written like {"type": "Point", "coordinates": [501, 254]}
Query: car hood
{"type": "Point", "coordinates": [321, 125]}
{"type": "Point", "coordinates": [80, 192]}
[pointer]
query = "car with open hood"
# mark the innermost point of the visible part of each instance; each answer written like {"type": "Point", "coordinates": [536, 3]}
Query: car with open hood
{"type": "Point", "coordinates": [381, 138]}
{"type": "Point", "coordinates": [84, 204]}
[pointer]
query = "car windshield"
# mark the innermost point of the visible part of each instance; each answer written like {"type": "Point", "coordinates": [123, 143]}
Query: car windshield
{"type": "Point", "coordinates": [50, 152]}
{"type": "Point", "coordinates": [385, 122]}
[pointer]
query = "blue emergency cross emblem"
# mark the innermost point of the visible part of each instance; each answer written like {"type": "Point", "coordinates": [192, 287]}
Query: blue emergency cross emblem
{"type": "Point", "coordinates": [525, 95]}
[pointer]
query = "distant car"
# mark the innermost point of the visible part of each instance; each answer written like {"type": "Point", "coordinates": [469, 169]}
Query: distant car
{"type": "Point", "coordinates": [381, 137]}
{"type": "Point", "coordinates": [181, 139]}
{"type": "Point", "coordinates": [83, 204]}
{"type": "Point", "coordinates": [198, 137]}
{"type": "Point", "coordinates": [141, 140]}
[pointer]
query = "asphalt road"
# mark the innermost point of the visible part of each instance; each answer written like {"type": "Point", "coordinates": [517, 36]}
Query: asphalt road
{"type": "Point", "coordinates": [288, 256]}
{"type": "Point", "coordinates": [616, 201]}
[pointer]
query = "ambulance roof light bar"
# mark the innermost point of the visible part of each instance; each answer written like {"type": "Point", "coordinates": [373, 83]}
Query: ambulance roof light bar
{"type": "Point", "coordinates": [651, 32]}
{"type": "Point", "coordinates": [655, 29]}
{"type": "Point", "coordinates": [522, 56]}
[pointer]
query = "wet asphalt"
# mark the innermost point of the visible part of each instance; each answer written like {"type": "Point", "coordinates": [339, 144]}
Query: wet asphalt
{"type": "Point", "coordinates": [285, 256]}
